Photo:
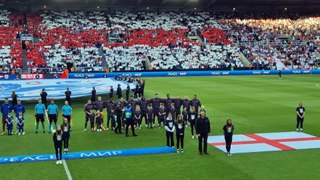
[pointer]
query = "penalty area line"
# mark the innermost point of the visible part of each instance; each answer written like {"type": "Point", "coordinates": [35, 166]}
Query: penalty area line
{"type": "Point", "coordinates": [66, 169]}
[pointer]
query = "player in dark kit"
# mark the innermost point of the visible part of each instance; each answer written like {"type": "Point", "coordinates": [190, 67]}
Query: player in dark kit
{"type": "Point", "coordinates": [57, 141]}
{"type": "Point", "coordinates": [162, 115]}
{"type": "Point", "coordinates": [87, 109]}
{"type": "Point", "coordinates": [137, 116]}
{"type": "Point", "coordinates": [110, 107]}
{"type": "Point", "coordinates": [195, 102]}
{"type": "Point", "coordinates": [155, 105]}
{"type": "Point", "coordinates": [177, 104]}
{"type": "Point", "coordinates": [173, 111]}
{"type": "Point", "coordinates": [143, 107]}
{"type": "Point", "coordinates": [68, 96]}
{"type": "Point", "coordinates": [119, 114]}
{"type": "Point", "coordinates": [66, 134]}
{"type": "Point", "coordinates": [119, 91]}
{"type": "Point", "coordinates": [203, 129]}
{"type": "Point", "coordinates": [43, 96]}
{"type": "Point", "coordinates": [100, 105]}
{"type": "Point", "coordinates": [113, 119]}
{"type": "Point", "coordinates": [186, 104]}
{"type": "Point", "coordinates": [228, 132]}
{"type": "Point", "coordinates": [185, 116]}
{"type": "Point", "coordinates": [167, 103]}
{"type": "Point", "coordinates": [150, 116]}
{"type": "Point", "coordinates": [300, 110]}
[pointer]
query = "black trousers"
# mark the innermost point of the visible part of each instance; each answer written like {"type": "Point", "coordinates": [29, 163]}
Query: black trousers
{"type": "Point", "coordinates": [144, 115]}
{"type": "Point", "coordinates": [203, 138]}
{"type": "Point", "coordinates": [192, 125]}
{"type": "Point", "coordinates": [66, 137]}
{"type": "Point", "coordinates": [300, 122]}
{"type": "Point", "coordinates": [228, 140]}
{"type": "Point", "coordinates": [108, 120]}
{"type": "Point", "coordinates": [118, 128]}
{"type": "Point", "coordinates": [130, 122]}
{"type": "Point", "coordinates": [57, 148]}
{"type": "Point", "coordinates": [86, 120]}
{"type": "Point", "coordinates": [180, 139]}
{"type": "Point", "coordinates": [170, 141]}
{"type": "Point", "coordinates": [156, 114]}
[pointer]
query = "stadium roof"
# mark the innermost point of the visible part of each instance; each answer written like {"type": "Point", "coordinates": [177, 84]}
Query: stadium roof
{"type": "Point", "coordinates": [149, 4]}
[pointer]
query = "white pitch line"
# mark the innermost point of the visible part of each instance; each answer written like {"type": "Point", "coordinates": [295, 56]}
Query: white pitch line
{"type": "Point", "coordinates": [66, 169]}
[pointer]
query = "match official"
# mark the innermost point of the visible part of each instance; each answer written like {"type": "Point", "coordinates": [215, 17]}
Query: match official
{"type": "Point", "coordinates": [39, 114]}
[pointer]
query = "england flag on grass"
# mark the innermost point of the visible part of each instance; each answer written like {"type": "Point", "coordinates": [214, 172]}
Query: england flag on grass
{"type": "Point", "coordinates": [264, 142]}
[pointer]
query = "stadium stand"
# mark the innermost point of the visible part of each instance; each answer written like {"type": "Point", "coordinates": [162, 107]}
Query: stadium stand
{"type": "Point", "coordinates": [122, 41]}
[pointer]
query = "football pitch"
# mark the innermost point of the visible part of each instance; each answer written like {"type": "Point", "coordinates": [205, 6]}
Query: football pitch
{"type": "Point", "coordinates": [256, 104]}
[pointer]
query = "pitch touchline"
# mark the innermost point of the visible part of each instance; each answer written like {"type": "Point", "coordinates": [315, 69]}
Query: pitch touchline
{"type": "Point", "coordinates": [66, 169]}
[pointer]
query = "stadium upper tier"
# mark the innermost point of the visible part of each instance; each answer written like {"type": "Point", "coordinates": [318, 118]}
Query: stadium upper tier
{"type": "Point", "coordinates": [93, 41]}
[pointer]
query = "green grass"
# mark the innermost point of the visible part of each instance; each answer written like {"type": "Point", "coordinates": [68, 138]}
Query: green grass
{"type": "Point", "coordinates": [256, 104]}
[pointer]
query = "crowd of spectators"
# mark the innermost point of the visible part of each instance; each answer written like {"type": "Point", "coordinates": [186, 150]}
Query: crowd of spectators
{"type": "Point", "coordinates": [124, 41]}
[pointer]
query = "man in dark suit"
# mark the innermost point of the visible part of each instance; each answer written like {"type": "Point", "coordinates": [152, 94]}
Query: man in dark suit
{"type": "Point", "coordinates": [202, 130]}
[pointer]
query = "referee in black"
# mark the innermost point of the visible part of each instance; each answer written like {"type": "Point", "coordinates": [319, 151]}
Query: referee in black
{"type": "Point", "coordinates": [202, 130]}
